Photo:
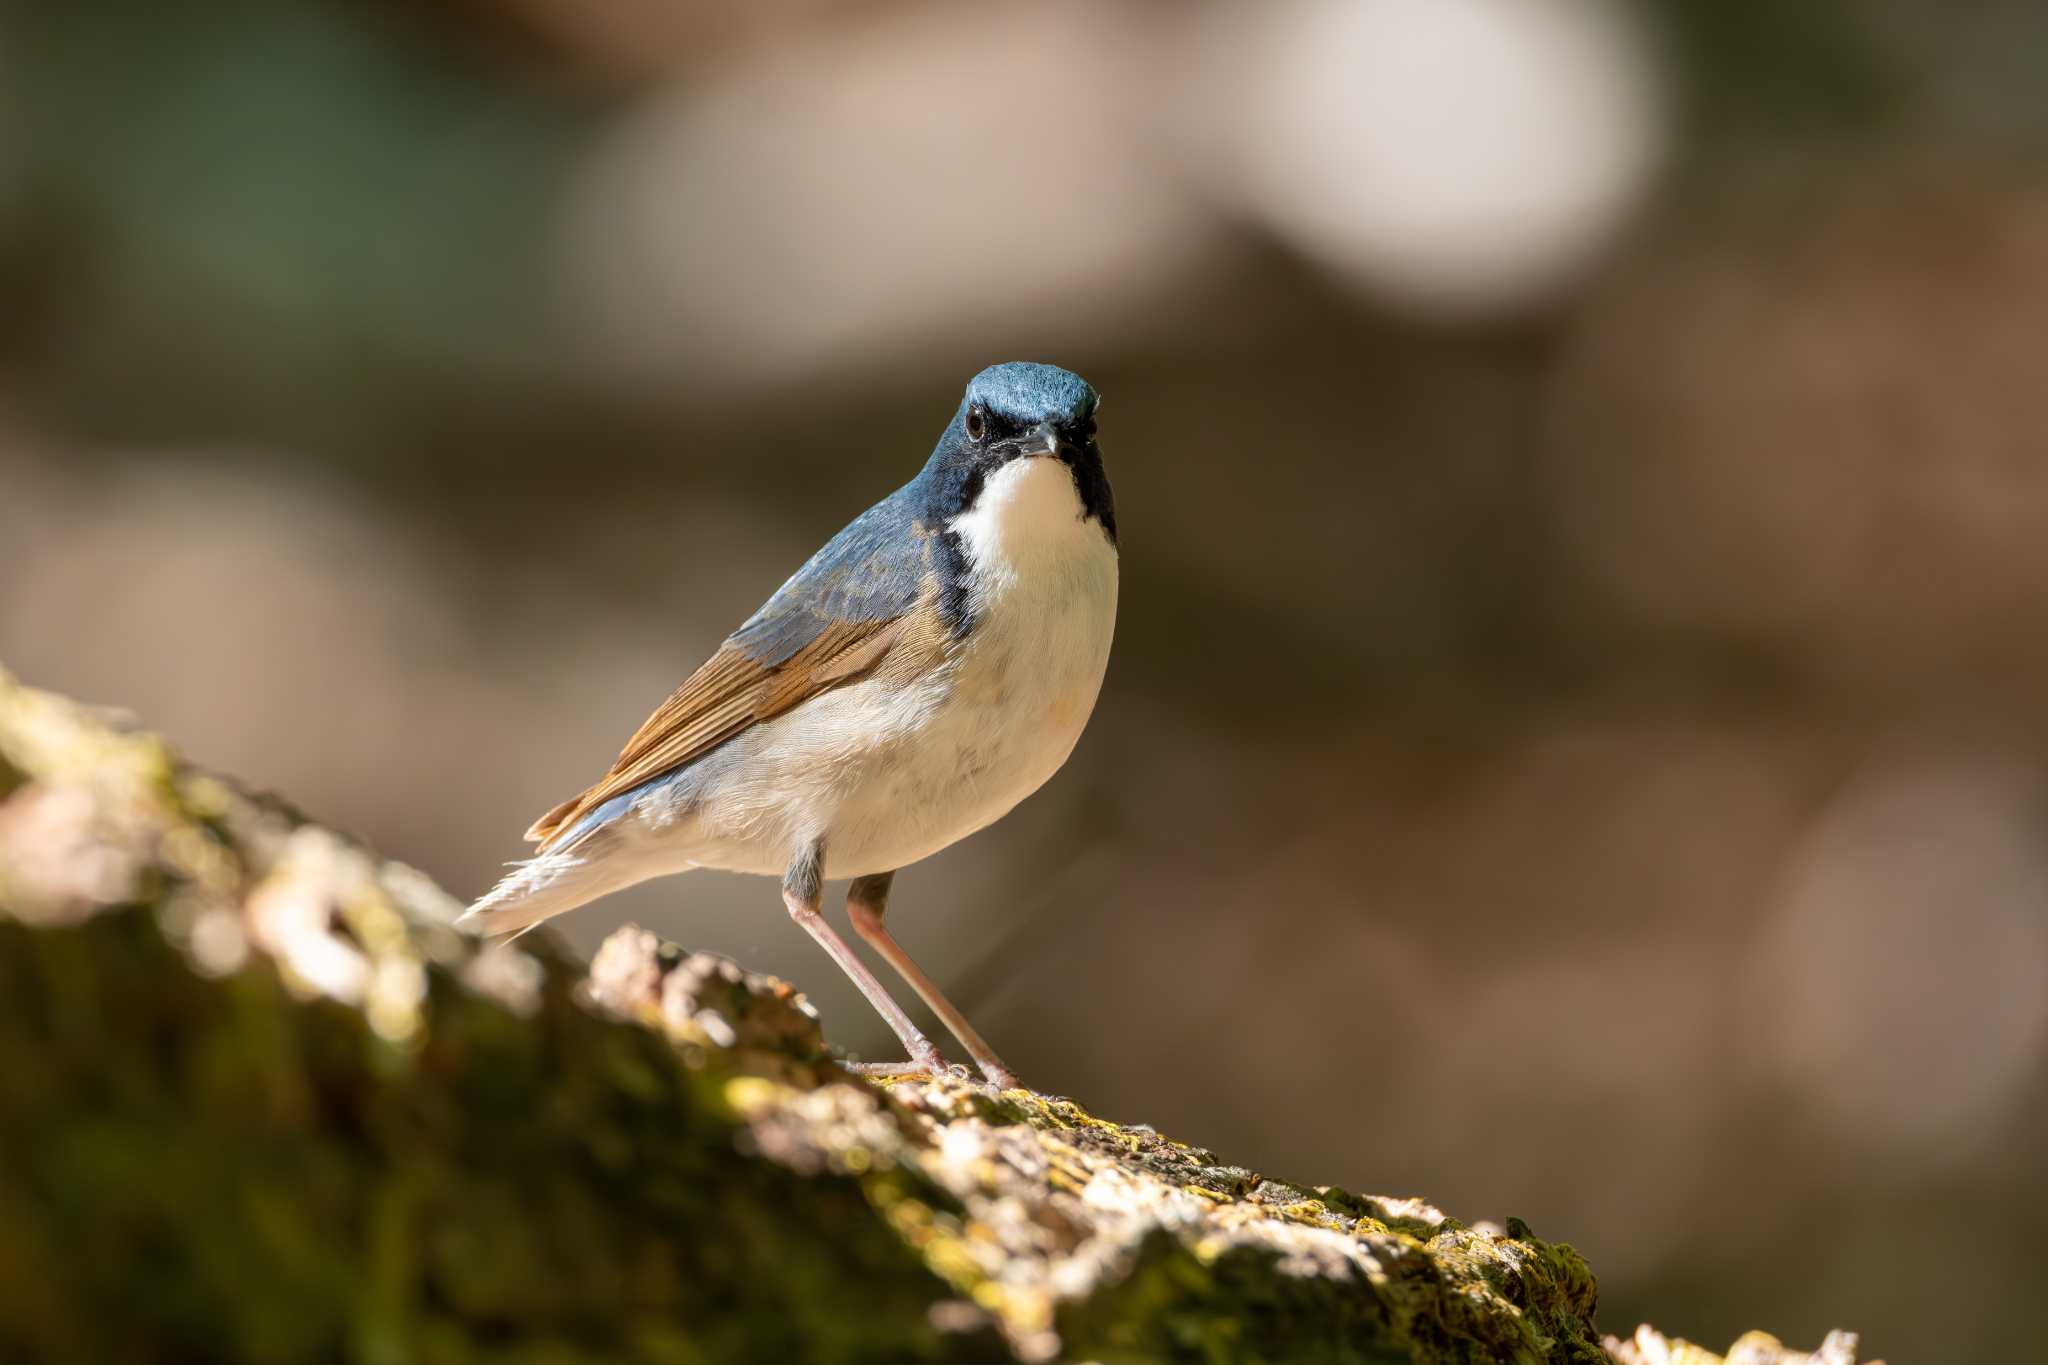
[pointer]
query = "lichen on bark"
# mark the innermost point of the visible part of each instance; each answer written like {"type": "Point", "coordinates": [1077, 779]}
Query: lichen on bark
{"type": "Point", "coordinates": [264, 1102]}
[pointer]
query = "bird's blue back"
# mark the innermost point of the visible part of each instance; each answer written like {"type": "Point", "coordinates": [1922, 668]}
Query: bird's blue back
{"type": "Point", "coordinates": [873, 570]}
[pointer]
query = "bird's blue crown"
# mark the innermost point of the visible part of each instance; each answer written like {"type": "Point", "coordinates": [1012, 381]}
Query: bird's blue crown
{"type": "Point", "coordinates": [1028, 393]}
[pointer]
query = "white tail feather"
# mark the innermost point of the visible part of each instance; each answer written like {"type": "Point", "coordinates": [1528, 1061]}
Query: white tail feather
{"type": "Point", "coordinates": [540, 888]}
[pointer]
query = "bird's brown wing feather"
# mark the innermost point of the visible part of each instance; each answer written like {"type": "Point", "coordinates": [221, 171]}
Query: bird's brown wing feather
{"type": "Point", "coordinates": [731, 692]}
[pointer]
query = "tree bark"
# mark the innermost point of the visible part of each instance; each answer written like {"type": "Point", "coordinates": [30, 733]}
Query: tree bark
{"type": "Point", "coordinates": [261, 1101]}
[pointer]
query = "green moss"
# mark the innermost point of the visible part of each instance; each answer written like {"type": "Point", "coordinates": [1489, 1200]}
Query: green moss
{"type": "Point", "coordinates": [1172, 1306]}
{"type": "Point", "coordinates": [252, 1178]}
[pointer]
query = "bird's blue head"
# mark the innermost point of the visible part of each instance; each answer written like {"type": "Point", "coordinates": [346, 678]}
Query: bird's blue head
{"type": "Point", "coordinates": [1019, 411]}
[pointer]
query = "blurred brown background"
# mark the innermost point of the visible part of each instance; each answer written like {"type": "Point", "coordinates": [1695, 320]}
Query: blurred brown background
{"type": "Point", "coordinates": [1577, 744]}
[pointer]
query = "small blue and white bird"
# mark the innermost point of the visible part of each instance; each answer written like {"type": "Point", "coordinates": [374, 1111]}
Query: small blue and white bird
{"type": "Point", "coordinates": [926, 671]}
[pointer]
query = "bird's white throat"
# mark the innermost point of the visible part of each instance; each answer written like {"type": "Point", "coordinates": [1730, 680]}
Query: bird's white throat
{"type": "Point", "coordinates": [1029, 512]}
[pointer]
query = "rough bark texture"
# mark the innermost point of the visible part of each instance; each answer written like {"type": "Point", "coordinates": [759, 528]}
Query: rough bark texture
{"type": "Point", "coordinates": [262, 1102]}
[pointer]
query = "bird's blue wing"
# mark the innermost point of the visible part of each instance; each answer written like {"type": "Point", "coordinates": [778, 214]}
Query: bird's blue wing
{"type": "Point", "coordinates": [874, 570]}
{"type": "Point", "coordinates": [824, 627]}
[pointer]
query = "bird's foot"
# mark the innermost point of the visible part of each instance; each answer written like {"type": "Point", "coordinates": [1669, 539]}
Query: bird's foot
{"type": "Point", "coordinates": [905, 1068]}
{"type": "Point", "coordinates": [925, 1061]}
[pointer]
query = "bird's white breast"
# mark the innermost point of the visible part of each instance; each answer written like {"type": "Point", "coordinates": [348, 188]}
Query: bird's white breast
{"type": "Point", "coordinates": [889, 771]}
{"type": "Point", "coordinates": [1041, 599]}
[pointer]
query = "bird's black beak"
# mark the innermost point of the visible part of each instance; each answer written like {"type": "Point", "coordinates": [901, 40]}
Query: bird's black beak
{"type": "Point", "coordinates": [1045, 440]}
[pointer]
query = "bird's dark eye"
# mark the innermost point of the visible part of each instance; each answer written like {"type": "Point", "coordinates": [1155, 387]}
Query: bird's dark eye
{"type": "Point", "coordinates": [977, 423]}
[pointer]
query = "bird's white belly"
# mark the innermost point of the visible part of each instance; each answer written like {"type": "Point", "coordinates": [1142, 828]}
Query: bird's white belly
{"type": "Point", "coordinates": [887, 772]}
{"type": "Point", "coordinates": [1018, 697]}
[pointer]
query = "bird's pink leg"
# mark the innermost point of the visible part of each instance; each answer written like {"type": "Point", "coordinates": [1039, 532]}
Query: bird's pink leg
{"type": "Point", "coordinates": [867, 900]}
{"type": "Point", "coordinates": [801, 892]}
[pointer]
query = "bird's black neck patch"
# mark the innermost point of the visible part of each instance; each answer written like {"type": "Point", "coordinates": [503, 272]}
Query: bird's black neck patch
{"type": "Point", "coordinates": [953, 490]}
{"type": "Point", "coordinates": [1091, 480]}
{"type": "Point", "coordinates": [949, 560]}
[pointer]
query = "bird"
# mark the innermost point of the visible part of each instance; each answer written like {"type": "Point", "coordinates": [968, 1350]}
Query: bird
{"type": "Point", "coordinates": [930, 667]}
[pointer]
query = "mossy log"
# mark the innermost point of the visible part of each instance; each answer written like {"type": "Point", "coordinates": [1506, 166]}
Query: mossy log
{"type": "Point", "coordinates": [261, 1101]}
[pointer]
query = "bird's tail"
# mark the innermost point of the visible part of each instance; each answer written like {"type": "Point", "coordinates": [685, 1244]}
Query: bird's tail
{"type": "Point", "coordinates": [542, 887]}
